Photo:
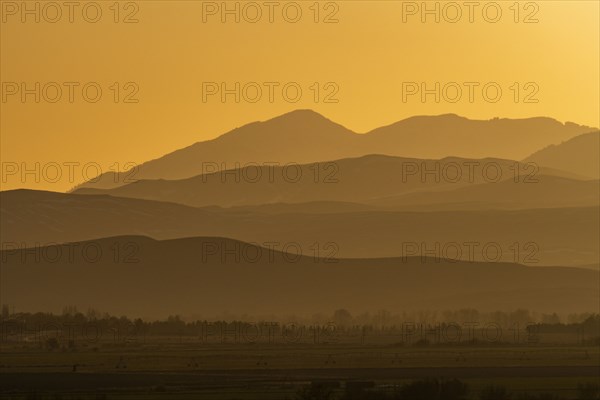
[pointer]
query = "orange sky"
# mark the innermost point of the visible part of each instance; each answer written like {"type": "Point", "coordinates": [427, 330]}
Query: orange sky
{"type": "Point", "coordinates": [366, 56]}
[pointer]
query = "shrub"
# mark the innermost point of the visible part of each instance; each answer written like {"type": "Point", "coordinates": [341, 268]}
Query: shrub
{"type": "Point", "coordinates": [495, 393]}
{"type": "Point", "coordinates": [588, 391]}
{"type": "Point", "coordinates": [432, 389]}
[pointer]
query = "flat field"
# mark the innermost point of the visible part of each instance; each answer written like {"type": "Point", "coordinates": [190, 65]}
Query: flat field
{"type": "Point", "coordinates": [187, 369]}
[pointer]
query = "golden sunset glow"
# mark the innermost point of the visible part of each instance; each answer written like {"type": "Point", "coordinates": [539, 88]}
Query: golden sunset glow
{"type": "Point", "coordinates": [311, 200]}
{"type": "Point", "coordinates": [368, 54]}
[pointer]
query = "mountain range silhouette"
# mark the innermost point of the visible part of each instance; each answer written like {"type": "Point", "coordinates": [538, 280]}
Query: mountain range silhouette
{"type": "Point", "coordinates": [564, 236]}
{"type": "Point", "coordinates": [529, 187]}
{"type": "Point", "coordinates": [304, 136]}
{"type": "Point", "coordinates": [192, 275]}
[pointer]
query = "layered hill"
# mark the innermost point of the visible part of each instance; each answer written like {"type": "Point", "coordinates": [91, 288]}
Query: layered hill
{"type": "Point", "coordinates": [135, 275]}
{"type": "Point", "coordinates": [304, 136]}
{"type": "Point", "coordinates": [579, 155]}
{"type": "Point", "coordinates": [373, 179]}
{"type": "Point", "coordinates": [564, 236]}
{"type": "Point", "coordinates": [543, 191]}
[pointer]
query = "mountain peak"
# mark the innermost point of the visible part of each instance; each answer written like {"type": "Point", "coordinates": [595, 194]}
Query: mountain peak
{"type": "Point", "coordinates": [302, 123]}
{"type": "Point", "coordinates": [298, 121]}
{"type": "Point", "coordinates": [303, 111]}
{"type": "Point", "coordinates": [305, 136]}
{"type": "Point", "coordinates": [303, 115]}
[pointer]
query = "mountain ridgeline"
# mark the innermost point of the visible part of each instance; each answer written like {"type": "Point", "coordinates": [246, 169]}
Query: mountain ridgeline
{"type": "Point", "coordinates": [393, 182]}
{"type": "Point", "coordinates": [304, 136]}
{"type": "Point", "coordinates": [541, 236]}
{"type": "Point", "coordinates": [136, 275]}
{"type": "Point", "coordinates": [298, 213]}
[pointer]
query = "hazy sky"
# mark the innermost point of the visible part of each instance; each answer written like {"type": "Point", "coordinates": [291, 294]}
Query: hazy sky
{"type": "Point", "coordinates": [164, 60]}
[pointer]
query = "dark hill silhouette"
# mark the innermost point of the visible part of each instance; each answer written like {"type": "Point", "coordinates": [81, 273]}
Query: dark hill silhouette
{"type": "Point", "coordinates": [312, 207]}
{"type": "Point", "coordinates": [450, 134]}
{"type": "Point", "coordinates": [368, 180]}
{"type": "Point", "coordinates": [195, 276]}
{"type": "Point", "coordinates": [304, 136]}
{"type": "Point", "coordinates": [548, 191]}
{"type": "Point", "coordinates": [567, 236]}
{"type": "Point", "coordinates": [579, 155]}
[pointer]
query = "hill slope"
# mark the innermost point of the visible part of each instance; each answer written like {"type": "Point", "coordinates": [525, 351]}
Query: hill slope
{"type": "Point", "coordinates": [303, 136]}
{"type": "Point", "coordinates": [567, 236]}
{"type": "Point", "coordinates": [366, 180]}
{"type": "Point", "coordinates": [139, 276]}
{"type": "Point", "coordinates": [579, 155]}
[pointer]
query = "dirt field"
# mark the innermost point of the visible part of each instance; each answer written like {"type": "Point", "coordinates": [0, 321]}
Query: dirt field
{"type": "Point", "coordinates": [187, 370]}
